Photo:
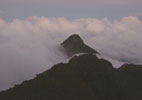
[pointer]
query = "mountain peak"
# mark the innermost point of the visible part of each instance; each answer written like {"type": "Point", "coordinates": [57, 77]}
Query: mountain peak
{"type": "Point", "coordinates": [74, 45]}
{"type": "Point", "coordinates": [73, 40]}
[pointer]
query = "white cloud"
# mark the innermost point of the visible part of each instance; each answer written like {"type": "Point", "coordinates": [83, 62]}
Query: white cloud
{"type": "Point", "coordinates": [30, 46]}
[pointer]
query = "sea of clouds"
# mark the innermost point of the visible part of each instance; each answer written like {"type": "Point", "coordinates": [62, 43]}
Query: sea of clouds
{"type": "Point", "coordinates": [30, 46]}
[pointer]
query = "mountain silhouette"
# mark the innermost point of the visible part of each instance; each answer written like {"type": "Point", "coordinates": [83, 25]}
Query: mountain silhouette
{"type": "Point", "coordinates": [84, 77]}
{"type": "Point", "coordinates": [74, 45]}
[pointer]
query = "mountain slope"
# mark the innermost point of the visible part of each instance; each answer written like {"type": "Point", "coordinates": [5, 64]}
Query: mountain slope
{"type": "Point", "coordinates": [84, 78]}
{"type": "Point", "coordinates": [76, 80]}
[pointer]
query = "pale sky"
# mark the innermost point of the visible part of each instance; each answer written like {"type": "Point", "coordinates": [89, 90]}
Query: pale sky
{"type": "Point", "coordinates": [10, 9]}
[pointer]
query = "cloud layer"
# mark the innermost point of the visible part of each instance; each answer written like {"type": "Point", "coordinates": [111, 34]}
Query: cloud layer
{"type": "Point", "coordinates": [30, 46]}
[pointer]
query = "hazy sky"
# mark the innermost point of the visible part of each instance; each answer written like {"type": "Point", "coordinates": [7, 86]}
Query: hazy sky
{"type": "Point", "coordinates": [10, 9]}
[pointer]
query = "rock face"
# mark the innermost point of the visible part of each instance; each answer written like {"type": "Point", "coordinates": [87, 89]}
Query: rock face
{"type": "Point", "coordinates": [84, 77]}
{"type": "Point", "coordinates": [74, 45]}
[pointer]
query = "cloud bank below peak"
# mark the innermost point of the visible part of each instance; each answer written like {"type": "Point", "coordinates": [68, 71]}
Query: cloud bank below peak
{"type": "Point", "coordinates": [30, 46]}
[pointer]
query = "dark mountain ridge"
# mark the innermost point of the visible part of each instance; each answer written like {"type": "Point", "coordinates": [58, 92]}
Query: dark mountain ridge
{"type": "Point", "coordinates": [84, 77]}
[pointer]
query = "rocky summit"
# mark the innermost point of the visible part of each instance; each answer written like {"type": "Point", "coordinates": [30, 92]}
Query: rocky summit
{"type": "Point", "coordinates": [74, 45]}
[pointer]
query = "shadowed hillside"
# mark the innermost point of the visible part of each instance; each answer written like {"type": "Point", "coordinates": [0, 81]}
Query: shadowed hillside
{"type": "Point", "coordinates": [84, 78]}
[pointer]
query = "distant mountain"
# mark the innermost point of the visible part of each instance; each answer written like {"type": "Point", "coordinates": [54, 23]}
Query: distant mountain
{"type": "Point", "coordinates": [84, 77]}
{"type": "Point", "coordinates": [74, 45]}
